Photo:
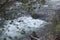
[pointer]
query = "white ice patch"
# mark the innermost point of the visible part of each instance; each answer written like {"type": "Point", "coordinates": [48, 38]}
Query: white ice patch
{"type": "Point", "coordinates": [22, 26]}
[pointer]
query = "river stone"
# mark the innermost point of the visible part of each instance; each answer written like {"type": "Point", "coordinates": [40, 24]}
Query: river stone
{"type": "Point", "coordinates": [44, 13]}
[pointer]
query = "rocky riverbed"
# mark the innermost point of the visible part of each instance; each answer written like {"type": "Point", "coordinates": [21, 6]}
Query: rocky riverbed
{"type": "Point", "coordinates": [19, 19]}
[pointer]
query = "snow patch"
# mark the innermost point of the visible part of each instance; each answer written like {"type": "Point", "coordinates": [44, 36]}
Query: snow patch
{"type": "Point", "coordinates": [21, 26]}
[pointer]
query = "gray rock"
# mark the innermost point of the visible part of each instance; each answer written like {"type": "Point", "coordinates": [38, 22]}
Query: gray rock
{"type": "Point", "coordinates": [44, 13]}
{"type": "Point", "coordinates": [53, 4]}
